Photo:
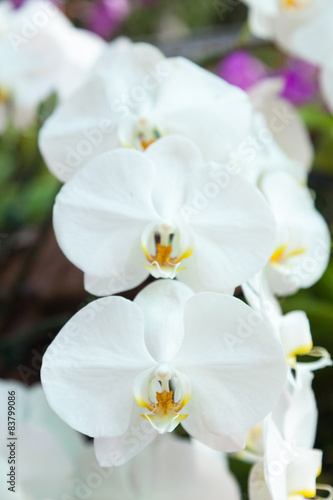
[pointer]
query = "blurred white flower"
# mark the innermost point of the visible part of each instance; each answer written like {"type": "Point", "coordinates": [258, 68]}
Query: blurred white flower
{"type": "Point", "coordinates": [46, 448]}
{"type": "Point", "coordinates": [41, 52]}
{"type": "Point", "coordinates": [299, 27]}
{"type": "Point", "coordinates": [133, 97]}
{"type": "Point", "coordinates": [302, 246]}
{"type": "Point", "coordinates": [206, 360]}
{"type": "Point", "coordinates": [127, 214]}
{"type": "Point", "coordinates": [171, 467]}
{"type": "Point", "coordinates": [280, 140]}
{"type": "Point", "coordinates": [289, 465]}
{"type": "Point", "coordinates": [288, 471]}
{"type": "Point", "coordinates": [293, 328]}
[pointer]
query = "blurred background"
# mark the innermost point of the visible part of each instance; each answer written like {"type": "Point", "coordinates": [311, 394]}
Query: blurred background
{"type": "Point", "coordinates": [40, 290]}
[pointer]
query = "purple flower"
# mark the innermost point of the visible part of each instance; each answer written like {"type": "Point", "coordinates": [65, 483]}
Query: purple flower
{"type": "Point", "coordinates": [107, 15]}
{"type": "Point", "coordinates": [301, 81]}
{"type": "Point", "coordinates": [242, 69]}
{"type": "Point", "coordinates": [18, 3]}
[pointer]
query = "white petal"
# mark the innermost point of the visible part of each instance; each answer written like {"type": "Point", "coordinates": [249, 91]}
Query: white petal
{"type": "Point", "coordinates": [278, 455]}
{"type": "Point", "coordinates": [118, 450]}
{"type": "Point", "coordinates": [89, 369]}
{"type": "Point", "coordinates": [85, 125]}
{"type": "Point", "coordinates": [288, 129]}
{"type": "Point", "coordinates": [199, 105]}
{"type": "Point", "coordinates": [301, 229]}
{"type": "Point", "coordinates": [99, 215]}
{"type": "Point", "coordinates": [300, 421]}
{"type": "Point", "coordinates": [232, 241]}
{"type": "Point", "coordinates": [258, 489]}
{"type": "Point", "coordinates": [33, 410]}
{"type": "Point", "coordinates": [43, 468]}
{"type": "Point", "coordinates": [237, 369]}
{"type": "Point", "coordinates": [302, 473]}
{"type": "Point", "coordinates": [132, 276]}
{"type": "Point", "coordinates": [177, 469]}
{"type": "Point", "coordinates": [295, 333]}
{"type": "Point", "coordinates": [162, 304]}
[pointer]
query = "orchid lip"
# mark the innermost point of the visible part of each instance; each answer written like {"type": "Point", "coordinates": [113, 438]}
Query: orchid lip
{"type": "Point", "coordinates": [165, 245]}
{"type": "Point", "coordinates": [167, 393]}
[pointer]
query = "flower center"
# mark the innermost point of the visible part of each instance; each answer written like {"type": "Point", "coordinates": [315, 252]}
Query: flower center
{"type": "Point", "coordinates": [281, 255]}
{"type": "Point", "coordinates": [164, 395]}
{"type": "Point", "coordinates": [165, 245]}
{"type": "Point", "coordinates": [292, 5]}
{"type": "Point", "coordinates": [4, 95]}
{"type": "Point", "coordinates": [146, 133]}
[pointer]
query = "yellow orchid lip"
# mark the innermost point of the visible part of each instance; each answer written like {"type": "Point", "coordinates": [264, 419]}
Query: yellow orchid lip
{"type": "Point", "coordinates": [281, 256]}
{"type": "Point", "coordinates": [165, 413]}
{"type": "Point", "coordinates": [163, 256]}
{"type": "Point", "coordinates": [163, 409]}
{"type": "Point", "coordinates": [164, 250]}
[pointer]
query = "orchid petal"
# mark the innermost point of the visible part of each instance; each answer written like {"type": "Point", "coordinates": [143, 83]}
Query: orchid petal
{"type": "Point", "coordinates": [100, 213]}
{"type": "Point", "coordinates": [232, 351]}
{"type": "Point", "coordinates": [162, 304]}
{"type": "Point", "coordinates": [102, 344]}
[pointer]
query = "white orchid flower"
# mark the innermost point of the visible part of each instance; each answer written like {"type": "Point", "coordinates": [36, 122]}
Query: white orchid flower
{"type": "Point", "coordinates": [171, 467]}
{"type": "Point", "coordinates": [282, 141]}
{"type": "Point", "coordinates": [46, 449]}
{"type": "Point", "coordinates": [129, 370]}
{"type": "Point", "coordinates": [295, 416]}
{"type": "Point", "coordinates": [293, 328]}
{"type": "Point", "coordinates": [290, 465]}
{"type": "Point", "coordinates": [294, 25]}
{"type": "Point", "coordinates": [150, 97]}
{"type": "Point", "coordinates": [128, 213]}
{"type": "Point", "coordinates": [286, 473]}
{"type": "Point", "coordinates": [302, 246]}
{"type": "Point", "coordinates": [41, 52]}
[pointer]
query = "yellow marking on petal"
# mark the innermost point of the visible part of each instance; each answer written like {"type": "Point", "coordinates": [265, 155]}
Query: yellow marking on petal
{"type": "Point", "coordinates": [319, 471]}
{"type": "Point", "coordinates": [186, 254]}
{"type": "Point", "coordinates": [280, 256]}
{"type": "Point", "coordinates": [143, 403]}
{"type": "Point", "coordinates": [304, 493]}
{"type": "Point", "coordinates": [275, 258]}
{"type": "Point", "coordinates": [301, 350]}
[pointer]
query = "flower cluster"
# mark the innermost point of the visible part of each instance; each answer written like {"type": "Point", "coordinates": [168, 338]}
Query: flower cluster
{"type": "Point", "coordinates": [193, 189]}
{"type": "Point", "coordinates": [163, 177]}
